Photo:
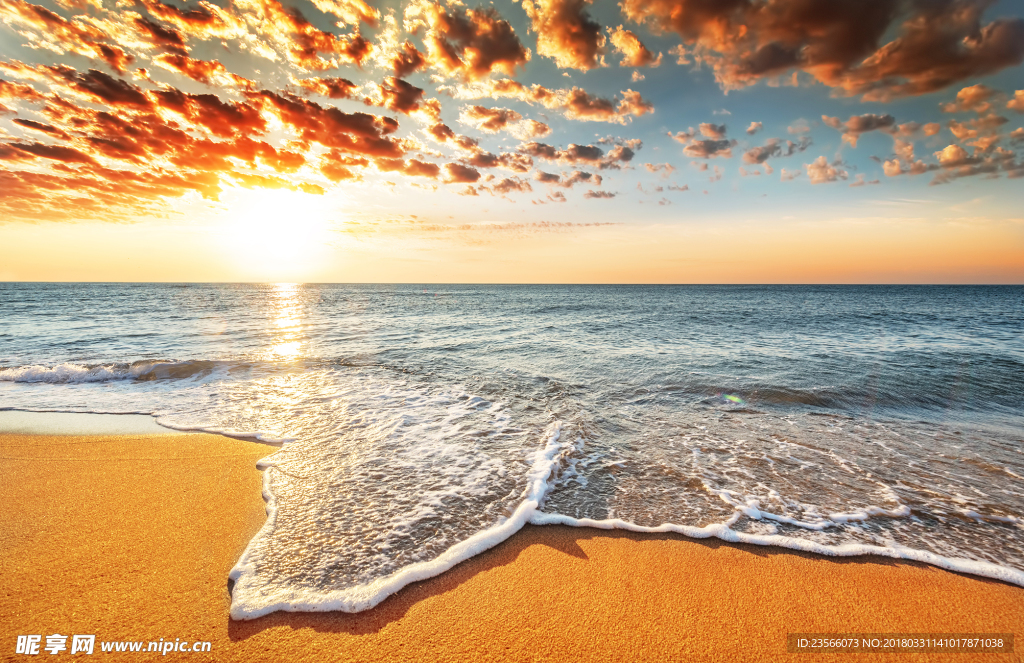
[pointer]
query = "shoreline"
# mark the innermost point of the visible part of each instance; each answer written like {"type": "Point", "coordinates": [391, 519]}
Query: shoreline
{"type": "Point", "coordinates": [156, 522]}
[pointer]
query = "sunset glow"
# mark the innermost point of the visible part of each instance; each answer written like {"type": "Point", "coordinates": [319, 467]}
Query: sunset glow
{"type": "Point", "coordinates": [561, 140]}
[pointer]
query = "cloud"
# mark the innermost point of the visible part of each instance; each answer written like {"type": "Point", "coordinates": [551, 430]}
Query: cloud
{"type": "Point", "coordinates": [954, 155]}
{"type": "Point", "coordinates": [205, 21]}
{"type": "Point", "coordinates": [956, 162]}
{"type": "Point", "coordinates": [304, 44]}
{"type": "Point", "coordinates": [459, 173]}
{"type": "Point", "coordinates": [42, 128]}
{"type": "Point", "coordinates": [18, 151]}
{"type": "Point", "coordinates": [404, 97]}
{"type": "Point", "coordinates": [468, 43]}
{"type": "Point", "coordinates": [821, 171]}
{"type": "Point", "coordinates": [159, 36]}
{"type": "Point", "coordinates": [754, 128]}
{"type": "Point", "coordinates": [412, 167]}
{"type": "Point", "coordinates": [576, 154]}
{"type": "Point", "coordinates": [974, 98]}
{"type": "Point", "coordinates": [442, 133]}
{"type": "Point", "coordinates": [860, 181]}
{"type": "Point", "coordinates": [338, 167]}
{"type": "Point", "coordinates": [530, 129]}
{"type": "Point", "coordinates": [840, 44]}
{"type": "Point", "coordinates": [801, 126]}
{"type": "Point", "coordinates": [510, 184]}
{"type": "Point", "coordinates": [351, 12]}
{"type": "Point", "coordinates": [634, 53]}
{"type": "Point", "coordinates": [56, 33]}
{"type": "Point", "coordinates": [334, 88]}
{"type": "Point", "coordinates": [758, 155]}
{"type": "Point", "coordinates": [665, 168]}
{"type": "Point", "coordinates": [408, 60]}
{"type": "Point", "coordinates": [789, 175]}
{"type": "Point", "coordinates": [599, 194]}
{"type": "Point", "coordinates": [707, 149]}
{"type": "Point", "coordinates": [18, 91]}
{"type": "Point", "coordinates": [204, 71]}
{"type": "Point", "coordinates": [568, 181]}
{"type": "Point", "coordinates": [515, 162]}
{"type": "Point", "coordinates": [490, 120]}
{"type": "Point", "coordinates": [860, 124]}
{"type": "Point", "coordinates": [716, 131]}
{"type": "Point", "coordinates": [574, 103]}
{"type": "Point", "coordinates": [1017, 102]}
{"type": "Point", "coordinates": [566, 33]}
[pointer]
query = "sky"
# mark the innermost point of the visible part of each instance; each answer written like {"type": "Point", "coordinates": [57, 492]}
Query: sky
{"type": "Point", "coordinates": [531, 141]}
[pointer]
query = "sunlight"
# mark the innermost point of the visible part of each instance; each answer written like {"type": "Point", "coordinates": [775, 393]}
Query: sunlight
{"type": "Point", "coordinates": [288, 319]}
{"type": "Point", "coordinates": [277, 233]}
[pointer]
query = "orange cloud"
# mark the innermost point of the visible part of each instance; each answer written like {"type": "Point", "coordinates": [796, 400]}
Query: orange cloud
{"type": "Point", "coordinates": [574, 103]}
{"type": "Point", "coordinates": [634, 53]}
{"type": "Point", "coordinates": [203, 71]}
{"type": "Point", "coordinates": [470, 43]}
{"type": "Point", "coordinates": [408, 60]}
{"type": "Point", "coordinates": [459, 173]}
{"type": "Point", "coordinates": [566, 33]}
{"type": "Point", "coordinates": [59, 34]}
{"type": "Point", "coordinates": [335, 88]}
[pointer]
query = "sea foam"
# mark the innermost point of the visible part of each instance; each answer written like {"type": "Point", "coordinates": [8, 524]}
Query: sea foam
{"type": "Point", "coordinates": [250, 598]}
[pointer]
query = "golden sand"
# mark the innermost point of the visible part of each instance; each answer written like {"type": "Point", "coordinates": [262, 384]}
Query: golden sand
{"type": "Point", "coordinates": [132, 538]}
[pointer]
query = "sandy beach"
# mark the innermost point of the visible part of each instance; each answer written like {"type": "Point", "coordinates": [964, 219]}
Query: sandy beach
{"type": "Point", "coordinates": [131, 538]}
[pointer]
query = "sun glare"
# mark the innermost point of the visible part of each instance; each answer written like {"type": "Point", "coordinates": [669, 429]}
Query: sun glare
{"type": "Point", "coordinates": [277, 233]}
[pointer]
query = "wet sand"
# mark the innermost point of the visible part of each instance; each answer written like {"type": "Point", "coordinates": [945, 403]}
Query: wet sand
{"type": "Point", "coordinates": [132, 537]}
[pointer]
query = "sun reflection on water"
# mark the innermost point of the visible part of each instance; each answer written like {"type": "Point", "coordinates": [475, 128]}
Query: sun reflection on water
{"type": "Point", "coordinates": [288, 341]}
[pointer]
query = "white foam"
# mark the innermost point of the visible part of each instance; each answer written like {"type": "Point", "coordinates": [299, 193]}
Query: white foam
{"type": "Point", "coordinates": [63, 374]}
{"type": "Point", "coordinates": [250, 599]}
{"type": "Point", "coordinates": [725, 533]}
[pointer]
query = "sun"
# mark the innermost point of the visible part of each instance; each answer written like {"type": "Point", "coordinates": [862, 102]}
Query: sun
{"type": "Point", "coordinates": [277, 234]}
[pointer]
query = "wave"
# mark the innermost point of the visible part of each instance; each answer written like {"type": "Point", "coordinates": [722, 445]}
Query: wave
{"type": "Point", "coordinates": [250, 599]}
{"type": "Point", "coordinates": [141, 371]}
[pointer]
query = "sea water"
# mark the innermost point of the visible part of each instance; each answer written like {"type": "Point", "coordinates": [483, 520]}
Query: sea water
{"type": "Point", "coordinates": [419, 425]}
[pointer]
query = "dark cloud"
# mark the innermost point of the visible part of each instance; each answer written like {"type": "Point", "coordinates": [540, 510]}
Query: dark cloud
{"type": "Point", "coordinates": [20, 151]}
{"type": "Point", "coordinates": [599, 194]}
{"type": "Point", "coordinates": [408, 60]}
{"type": "Point", "coordinates": [43, 128]}
{"type": "Point", "coordinates": [860, 124]}
{"type": "Point", "coordinates": [707, 149]}
{"type": "Point", "coordinates": [403, 97]}
{"type": "Point", "coordinates": [164, 38]}
{"type": "Point", "coordinates": [459, 173]}
{"type": "Point", "coordinates": [842, 44]}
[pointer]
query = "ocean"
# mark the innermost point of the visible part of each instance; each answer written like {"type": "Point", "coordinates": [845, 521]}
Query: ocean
{"type": "Point", "coordinates": [415, 426]}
